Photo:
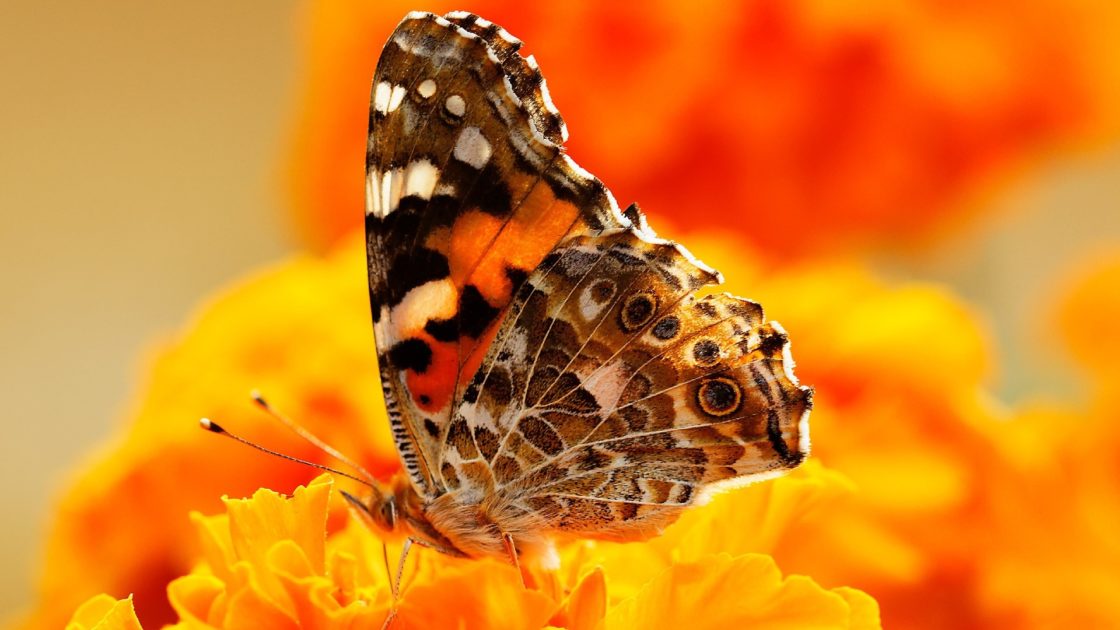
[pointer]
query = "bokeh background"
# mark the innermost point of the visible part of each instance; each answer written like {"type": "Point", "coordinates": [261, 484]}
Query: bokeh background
{"type": "Point", "coordinates": [152, 153]}
{"type": "Point", "coordinates": [141, 159]}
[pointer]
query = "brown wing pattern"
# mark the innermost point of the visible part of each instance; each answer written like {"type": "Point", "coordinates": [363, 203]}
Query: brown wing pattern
{"type": "Point", "coordinates": [467, 190]}
{"type": "Point", "coordinates": [612, 396]}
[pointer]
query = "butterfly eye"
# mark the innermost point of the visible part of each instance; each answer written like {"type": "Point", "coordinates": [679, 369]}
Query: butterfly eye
{"type": "Point", "coordinates": [719, 396]}
{"type": "Point", "coordinates": [637, 311]}
{"type": "Point", "coordinates": [389, 513]}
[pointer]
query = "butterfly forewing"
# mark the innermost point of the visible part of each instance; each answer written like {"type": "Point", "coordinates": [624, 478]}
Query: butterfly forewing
{"type": "Point", "coordinates": [467, 190]}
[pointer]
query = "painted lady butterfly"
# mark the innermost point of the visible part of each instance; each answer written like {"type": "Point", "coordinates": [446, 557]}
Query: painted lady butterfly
{"type": "Point", "coordinates": [547, 368]}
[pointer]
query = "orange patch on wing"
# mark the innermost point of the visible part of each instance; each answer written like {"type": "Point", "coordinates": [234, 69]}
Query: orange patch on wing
{"type": "Point", "coordinates": [472, 234]}
{"type": "Point", "coordinates": [479, 256]}
{"type": "Point", "coordinates": [432, 390]}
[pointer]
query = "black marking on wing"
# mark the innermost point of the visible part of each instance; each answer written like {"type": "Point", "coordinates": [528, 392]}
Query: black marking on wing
{"type": "Point", "coordinates": [411, 354]}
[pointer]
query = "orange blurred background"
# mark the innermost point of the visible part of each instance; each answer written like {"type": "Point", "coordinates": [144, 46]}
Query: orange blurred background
{"type": "Point", "coordinates": [154, 153]}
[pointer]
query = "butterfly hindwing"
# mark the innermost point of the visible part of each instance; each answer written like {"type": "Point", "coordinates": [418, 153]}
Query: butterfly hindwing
{"type": "Point", "coordinates": [612, 396]}
{"type": "Point", "coordinates": [467, 191]}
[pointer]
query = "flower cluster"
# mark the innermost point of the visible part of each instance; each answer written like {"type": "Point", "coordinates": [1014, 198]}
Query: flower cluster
{"type": "Point", "coordinates": [268, 563]}
{"type": "Point", "coordinates": [934, 501]}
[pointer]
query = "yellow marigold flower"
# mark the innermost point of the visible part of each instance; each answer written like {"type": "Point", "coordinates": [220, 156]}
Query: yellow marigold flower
{"type": "Point", "coordinates": [104, 612]}
{"type": "Point", "coordinates": [268, 563]}
{"type": "Point", "coordinates": [124, 528]}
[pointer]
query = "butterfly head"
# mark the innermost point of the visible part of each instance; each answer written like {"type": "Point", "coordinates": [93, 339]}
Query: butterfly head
{"type": "Point", "coordinates": [383, 510]}
{"type": "Point", "coordinates": [380, 508]}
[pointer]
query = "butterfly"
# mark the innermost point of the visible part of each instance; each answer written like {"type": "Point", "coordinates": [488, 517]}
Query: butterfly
{"type": "Point", "coordinates": [547, 366]}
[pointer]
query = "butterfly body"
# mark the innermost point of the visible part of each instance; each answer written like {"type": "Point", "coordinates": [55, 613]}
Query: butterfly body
{"type": "Point", "coordinates": [548, 369]}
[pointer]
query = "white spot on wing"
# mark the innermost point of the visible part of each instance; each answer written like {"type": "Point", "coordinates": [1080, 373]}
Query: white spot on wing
{"type": "Point", "coordinates": [386, 192]}
{"type": "Point", "coordinates": [455, 105]}
{"type": "Point", "coordinates": [420, 179]}
{"type": "Point", "coordinates": [589, 307]}
{"type": "Point", "coordinates": [381, 97]}
{"type": "Point", "coordinates": [373, 198]}
{"type": "Point", "coordinates": [395, 97]}
{"type": "Point", "coordinates": [396, 184]}
{"type": "Point", "coordinates": [504, 34]}
{"type": "Point", "coordinates": [426, 88]}
{"type": "Point", "coordinates": [437, 299]}
{"type": "Point", "coordinates": [382, 331]}
{"type": "Point", "coordinates": [473, 148]}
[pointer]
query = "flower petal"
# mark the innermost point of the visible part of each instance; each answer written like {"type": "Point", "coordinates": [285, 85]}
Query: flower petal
{"type": "Point", "coordinates": [748, 591]}
{"type": "Point", "coordinates": [193, 597]}
{"type": "Point", "coordinates": [471, 594]}
{"type": "Point", "coordinates": [585, 607]}
{"type": "Point", "coordinates": [104, 612]}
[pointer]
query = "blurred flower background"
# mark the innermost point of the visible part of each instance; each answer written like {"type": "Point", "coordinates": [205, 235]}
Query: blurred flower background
{"type": "Point", "coordinates": [926, 195]}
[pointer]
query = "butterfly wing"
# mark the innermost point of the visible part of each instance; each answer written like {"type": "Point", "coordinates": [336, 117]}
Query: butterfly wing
{"type": "Point", "coordinates": [612, 397]}
{"type": "Point", "coordinates": [467, 190]}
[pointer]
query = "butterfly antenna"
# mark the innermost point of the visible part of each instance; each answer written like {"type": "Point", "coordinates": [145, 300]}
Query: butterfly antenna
{"type": "Point", "coordinates": [310, 437]}
{"type": "Point", "coordinates": [214, 427]}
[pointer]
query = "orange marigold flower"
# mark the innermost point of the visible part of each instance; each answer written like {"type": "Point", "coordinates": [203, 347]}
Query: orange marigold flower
{"type": "Point", "coordinates": [269, 564]}
{"type": "Point", "coordinates": [803, 125]}
{"type": "Point", "coordinates": [934, 501]}
{"type": "Point", "coordinates": [123, 527]}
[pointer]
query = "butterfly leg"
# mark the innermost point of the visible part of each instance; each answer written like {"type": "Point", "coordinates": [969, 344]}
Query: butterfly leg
{"type": "Point", "coordinates": [511, 549]}
{"type": "Point", "coordinates": [395, 585]}
{"type": "Point", "coordinates": [395, 581]}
